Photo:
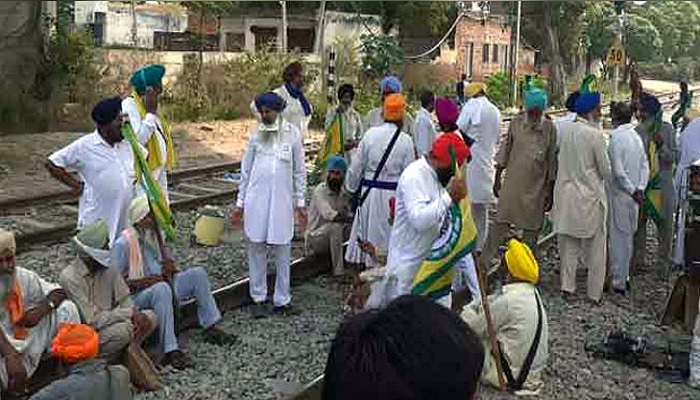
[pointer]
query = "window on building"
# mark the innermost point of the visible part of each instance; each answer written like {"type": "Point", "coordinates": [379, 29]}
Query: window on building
{"type": "Point", "coordinates": [469, 60]}
{"type": "Point", "coordinates": [264, 37]}
{"type": "Point", "coordinates": [495, 54]}
{"type": "Point", "coordinates": [301, 40]}
{"type": "Point", "coordinates": [235, 42]}
{"type": "Point", "coordinates": [485, 54]}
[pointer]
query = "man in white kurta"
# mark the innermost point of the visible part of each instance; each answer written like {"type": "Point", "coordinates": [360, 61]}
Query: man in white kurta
{"type": "Point", "coordinates": [104, 163]}
{"type": "Point", "coordinates": [424, 131]}
{"type": "Point", "coordinates": [580, 201]}
{"type": "Point", "coordinates": [481, 121]}
{"type": "Point", "coordinates": [351, 120]}
{"type": "Point", "coordinates": [26, 337]}
{"type": "Point", "coordinates": [689, 154]}
{"type": "Point", "coordinates": [298, 110]}
{"type": "Point", "coordinates": [424, 195]}
{"type": "Point", "coordinates": [630, 172]}
{"type": "Point", "coordinates": [272, 188]}
{"type": "Point", "coordinates": [142, 109]}
{"type": "Point", "coordinates": [371, 222]}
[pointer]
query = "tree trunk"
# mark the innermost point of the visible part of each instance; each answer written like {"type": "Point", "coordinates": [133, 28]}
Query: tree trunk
{"type": "Point", "coordinates": [589, 61]}
{"type": "Point", "coordinates": [200, 55]}
{"type": "Point", "coordinates": [558, 78]}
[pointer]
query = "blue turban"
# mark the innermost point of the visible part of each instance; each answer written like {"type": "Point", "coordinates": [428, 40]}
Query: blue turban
{"type": "Point", "coordinates": [150, 75]}
{"type": "Point", "coordinates": [650, 104]}
{"type": "Point", "coordinates": [337, 163]}
{"type": "Point", "coordinates": [571, 101]}
{"type": "Point", "coordinates": [270, 100]}
{"type": "Point", "coordinates": [587, 102]}
{"type": "Point", "coordinates": [107, 111]}
{"type": "Point", "coordinates": [390, 84]}
{"type": "Point", "coordinates": [535, 99]}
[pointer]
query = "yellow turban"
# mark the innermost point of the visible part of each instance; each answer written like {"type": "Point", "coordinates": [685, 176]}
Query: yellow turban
{"type": "Point", "coordinates": [521, 263]}
{"type": "Point", "coordinates": [8, 247]}
{"type": "Point", "coordinates": [474, 88]}
{"type": "Point", "coordinates": [394, 107]}
{"type": "Point", "coordinates": [692, 114]}
{"type": "Point", "coordinates": [138, 209]}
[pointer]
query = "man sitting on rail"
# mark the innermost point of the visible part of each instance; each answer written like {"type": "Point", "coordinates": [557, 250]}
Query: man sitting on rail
{"type": "Point", "coordinates": [152, 280]}
{"type": "Point", "coordinates": [32, 311]}
{"type": "Point", "coordinates": [271, 192]}
{"type": "Point", "coordinates": [104, 163]}
{"type": "Point", "coordinates": [520, 322]}
{"type": "Point", "coordinates": [412, 349]}
{"type": "Point", "coordinates": [329, 215]}
{"type": "Point", "coordinates": [76, 346]}
{"type": "Point", "coordinates": [102, 295]}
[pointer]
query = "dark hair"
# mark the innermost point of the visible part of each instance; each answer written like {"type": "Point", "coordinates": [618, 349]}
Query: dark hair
{"type": "Point", "coordinates": [621, 113]}
{"type": "Point", "coordinates": [292, 70]}
{"type": "Point", "coordinates": [684, 86]}
{"type": "Point", "coordinates": [346, 88]}
{"type": "Point", "coordinates": [427, 98]}
{"type": "Point", "coordinates": [412, 350]}
{"type": "Point", "coordinates": [464, 76]}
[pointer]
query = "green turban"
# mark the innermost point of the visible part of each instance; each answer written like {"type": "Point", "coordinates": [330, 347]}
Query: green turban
{"type": "Point", "coordinates": [150, 75]}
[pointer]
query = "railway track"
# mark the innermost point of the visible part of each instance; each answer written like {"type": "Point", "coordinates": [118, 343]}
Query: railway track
{"type": "Point", "coordinates": [51, 217]}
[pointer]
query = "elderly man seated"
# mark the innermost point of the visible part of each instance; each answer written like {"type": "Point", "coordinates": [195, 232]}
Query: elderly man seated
{"type": "Point", "coordinates": [520, 323]}
{"type": "Point", "coordinates": [102, 295]}
{"type": "Point", "coordinates": [32, 311]}
{"type": "Point", "coordinates": [137, 255]}
{"type": "Point", "coordinates": [329, 215]}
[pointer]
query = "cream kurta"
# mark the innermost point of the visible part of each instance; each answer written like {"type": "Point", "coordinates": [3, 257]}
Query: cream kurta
{"type": "Point", "coordinates": [580, 201]}
{"type": "Point", "coordinates": [371, 221]}
{"type": "Point", "coordinates": [515, 317]}
{"type": "Point", "coordinates": [529, 157]}
{"type": "Point", "coordinates": [481, 121]}
{"type": "Point", "coordinates": [273, 182]}
{"type": "Point", "coordinates": [38, 341]}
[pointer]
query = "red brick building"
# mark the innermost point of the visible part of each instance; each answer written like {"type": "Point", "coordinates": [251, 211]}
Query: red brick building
{"type": "Point", "coordinates": [484, 47]}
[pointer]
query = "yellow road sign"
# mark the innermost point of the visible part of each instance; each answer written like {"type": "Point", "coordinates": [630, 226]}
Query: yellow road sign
{"type": "Point", "coordinates": [616, 54]}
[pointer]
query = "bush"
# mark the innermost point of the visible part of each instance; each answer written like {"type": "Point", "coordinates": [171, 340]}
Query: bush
{"type": "Point", "coordinates": [74, 72]}
{"type": "Point", "coordinates": [498, 89]}
{"type": "Point", "coordinates": [382, 54]}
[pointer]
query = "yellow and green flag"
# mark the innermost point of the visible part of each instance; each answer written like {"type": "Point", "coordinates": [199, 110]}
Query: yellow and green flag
{"type": "Point", "coordinates": [456, 240]}
{"type": "Point", "coordinates": [333, 144]}
{"type": "Point", "coordinates": [652, 195]}
{"type": "Point", "coordinates": [159, 205]}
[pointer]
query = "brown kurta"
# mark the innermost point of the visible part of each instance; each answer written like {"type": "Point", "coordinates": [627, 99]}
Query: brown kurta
{"type": "Point", "coordinates": [529, 155]}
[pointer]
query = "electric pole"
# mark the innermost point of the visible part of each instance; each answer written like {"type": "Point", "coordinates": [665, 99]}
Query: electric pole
{"type": "Point", "coordinates": [516, 54]}
{"type": "Point", "coordinates": [284, 26]}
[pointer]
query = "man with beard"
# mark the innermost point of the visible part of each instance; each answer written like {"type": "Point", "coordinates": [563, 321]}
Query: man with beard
{"type": "Point", "coordinates": [329, 215]}
{"type": "Point", "coordinates": [580, 201]}
{"type": "Point", "coordinates": [32, 310]}
{"type": "Point", "coordinates": [104, 164]}
{"type": "Point", "coordinates": [351, 120]}
{"type": "Point", "coordinates": [271, 192]}
{"type": "Point", "coordinates": [425, 192]}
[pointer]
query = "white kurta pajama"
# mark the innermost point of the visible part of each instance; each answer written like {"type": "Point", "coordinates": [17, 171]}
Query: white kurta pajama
{"type": "Point", "coordinates": [273, 182]}
{"type": "Point", "coordinates": [145, 128]}
{"type": "Point", "coordinates": [38, 341]}
{"type": "Point", "coordinates": [424, 132]}
{"type": "Point", "coordinates": [630, 171]}
{"type": "Point", "coordinates": [580, 205]}
{"type": "Point", "coordinates": [481, 121]}
{"type": "Point", "coordinates": [371, 221]}
{"type": "Point", "coordinates": [689, 153]}
{"type": "Point", "coordinates": [107, 172]}
{"type": "Point", "coordinates": [421, 206]}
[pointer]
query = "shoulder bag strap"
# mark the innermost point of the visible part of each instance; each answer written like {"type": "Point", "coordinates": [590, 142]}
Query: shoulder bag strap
{"type": "Point", "coordinates": [380, 167]}
{"type": "Point", "coordinates": [525, 371]}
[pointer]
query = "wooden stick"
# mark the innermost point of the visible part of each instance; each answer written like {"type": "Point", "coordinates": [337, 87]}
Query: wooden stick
{"type": "Point", "coordinates": [495, 350]}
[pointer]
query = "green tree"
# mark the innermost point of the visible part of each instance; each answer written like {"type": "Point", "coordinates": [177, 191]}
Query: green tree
{"type": "Point", "coordinates": [381, 54]}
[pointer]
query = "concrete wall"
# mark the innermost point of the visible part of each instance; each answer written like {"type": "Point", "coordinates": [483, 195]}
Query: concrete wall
{"type": "Point", "coordinates": [21, 41]}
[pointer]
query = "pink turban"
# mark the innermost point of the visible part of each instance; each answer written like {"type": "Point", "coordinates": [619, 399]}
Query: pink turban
{"type": "Point", "coordinates": [447, 113]}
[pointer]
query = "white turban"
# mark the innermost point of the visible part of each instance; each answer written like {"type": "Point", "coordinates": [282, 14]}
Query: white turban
{"type": "Point", "coordinates": [8, 247]}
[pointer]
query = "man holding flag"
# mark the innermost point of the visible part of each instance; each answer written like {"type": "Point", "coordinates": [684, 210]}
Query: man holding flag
{"type": "Point", "coordinates": [343, 125]}
{"type": "Point", "coordinates": [430, 204]}
{"type": "Point", "coordinates": [151, 130]}
{"type": "Point", "coordinates": [659, 203]}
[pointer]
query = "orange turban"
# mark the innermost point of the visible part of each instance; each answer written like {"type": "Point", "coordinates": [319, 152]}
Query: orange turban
{"type": "Point", "coordinates": [75, 343]}
{"type": "Point", "coordinates": [394, 107]}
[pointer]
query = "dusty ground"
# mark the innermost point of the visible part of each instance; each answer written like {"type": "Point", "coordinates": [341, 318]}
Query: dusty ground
{"type": "Point", "coordinates": [22, 157]}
